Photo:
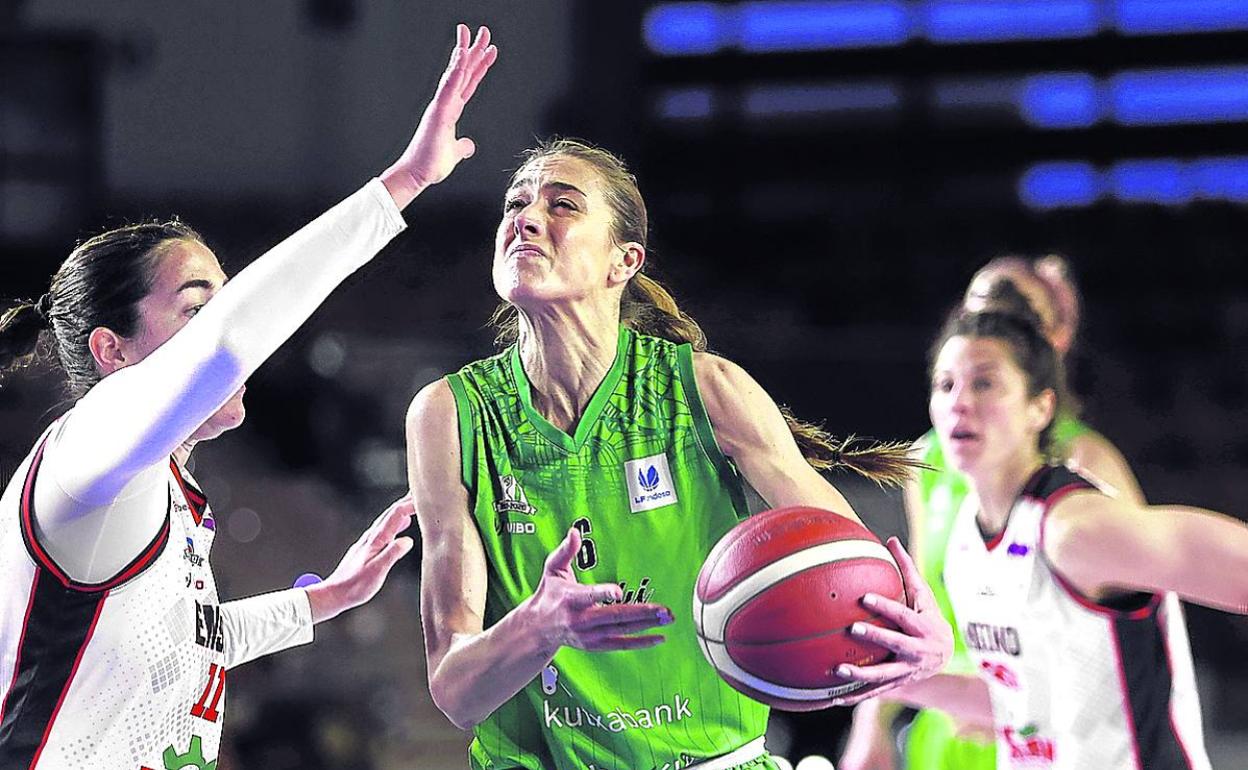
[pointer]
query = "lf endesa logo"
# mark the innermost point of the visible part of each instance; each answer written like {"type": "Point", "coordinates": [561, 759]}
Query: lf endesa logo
{"type": "Point", "coordinates": [649, 482]}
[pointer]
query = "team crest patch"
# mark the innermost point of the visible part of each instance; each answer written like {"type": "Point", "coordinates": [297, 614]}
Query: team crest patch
{"type": "Point", "coordinates": [649, 483]}
{"type": "Point", "coordinates": [513, 499]}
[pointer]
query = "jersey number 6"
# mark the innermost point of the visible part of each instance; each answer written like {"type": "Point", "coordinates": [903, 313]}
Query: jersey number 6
{"type": "Point", "coordinates": [587, 557]}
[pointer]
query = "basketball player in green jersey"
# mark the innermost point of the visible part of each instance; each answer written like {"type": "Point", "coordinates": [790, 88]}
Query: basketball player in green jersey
{"type": "Point", "coordinates": [569, 489]}
{"type": "Point", "coordinates": [935, 740]}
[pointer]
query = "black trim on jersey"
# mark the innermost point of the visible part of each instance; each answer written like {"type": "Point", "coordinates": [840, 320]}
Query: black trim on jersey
{"type": "Point", "coordinates": [59, 624]}
{"type": "Point", "coordinates": [1146, 675]}
{"type": "Point", "coordinates": [1051, 482]}
{"type": "Point", "coordinates": [196, 499]}
{"type": "Point", "coordinates": [43, 559]}
{"type": "Point", "coordinates": [1049, 485]}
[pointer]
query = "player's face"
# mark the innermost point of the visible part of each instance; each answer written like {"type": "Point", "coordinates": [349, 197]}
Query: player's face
{"type": "Point", "coordinates": [184, 278]}
{"type": "Point", "coordinates": [980, 408]}
{"type": "Point", "coordinates": [554, 244]}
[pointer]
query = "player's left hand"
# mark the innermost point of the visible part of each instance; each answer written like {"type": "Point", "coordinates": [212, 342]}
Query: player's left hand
{"type": "Point", "coordinates": [920, 649]}
{"type": "Point", "coordinates": [364, 568]}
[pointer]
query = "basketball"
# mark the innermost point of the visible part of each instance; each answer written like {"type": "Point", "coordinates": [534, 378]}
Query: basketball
{"type": "Point", "coordinates": [776, 597]}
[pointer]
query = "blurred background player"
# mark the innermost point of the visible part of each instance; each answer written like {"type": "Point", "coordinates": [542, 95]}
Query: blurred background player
{"type": "Point", "coordinates": [114, 647]}
{"type": "Point", "coordinates": [1067, 596]}
{"type": "Point", "coordinates": [935, 740]}
{"type": "Point", "coordinates": [607, 437]}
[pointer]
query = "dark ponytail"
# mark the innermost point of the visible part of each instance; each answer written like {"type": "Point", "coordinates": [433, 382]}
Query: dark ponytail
{"type": "Point", "coordinates": [21, 330]}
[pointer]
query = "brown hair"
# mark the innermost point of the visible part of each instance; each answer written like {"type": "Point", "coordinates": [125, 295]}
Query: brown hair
{"type": "Point", "coordinates": [1009, 317]}
{"type": "Point", "coordinates": [99, 284]}
{"type": "Point", "coordinates": [1053, 272]}
{"type": "Point", "coordinates": [647, 307]}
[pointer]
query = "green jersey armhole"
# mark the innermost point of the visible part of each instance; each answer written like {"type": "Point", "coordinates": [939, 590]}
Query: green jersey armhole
{"type": "Point", "coordinates": [467, 436]}
{"type": "Point", "coordinates": [706, 434]}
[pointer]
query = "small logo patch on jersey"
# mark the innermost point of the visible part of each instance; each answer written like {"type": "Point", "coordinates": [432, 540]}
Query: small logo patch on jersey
{"type": "Point", "coordinates": [649, 483]}
{"type": "Point", "coordinates": [513, 498]}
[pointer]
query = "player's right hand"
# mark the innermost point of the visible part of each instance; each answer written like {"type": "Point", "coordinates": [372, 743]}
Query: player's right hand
{"type": "Point", "coordinates": [434, 151]}
{"type": "Point", "coordinates": [568, 614]}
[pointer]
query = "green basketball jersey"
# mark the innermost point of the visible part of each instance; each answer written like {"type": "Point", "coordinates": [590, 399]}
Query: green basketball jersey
{"type": "Point", "coordinates": [644, 481]}
{"type": "Point", "coordinates": [942, 491]}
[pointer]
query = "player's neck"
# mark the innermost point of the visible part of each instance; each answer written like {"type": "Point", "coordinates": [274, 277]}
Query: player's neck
{"type": "Point", "coordinates": [566, 354]}
{"type": "Point", "coordinates": [998, 490]}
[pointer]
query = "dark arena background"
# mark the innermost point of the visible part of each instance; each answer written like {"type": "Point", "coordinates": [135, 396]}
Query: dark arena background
{"type": "Point", "coordinates": [822, 179]}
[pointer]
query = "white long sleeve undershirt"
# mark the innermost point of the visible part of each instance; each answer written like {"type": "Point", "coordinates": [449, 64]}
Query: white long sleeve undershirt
{"type": "Point", "coordinates": [100, 496]}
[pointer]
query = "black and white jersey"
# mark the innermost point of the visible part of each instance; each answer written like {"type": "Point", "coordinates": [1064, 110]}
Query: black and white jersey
{"type": "Point", "coordinates": [1074, 684]}
{"type": "Point", "coordinates": [131, 667]}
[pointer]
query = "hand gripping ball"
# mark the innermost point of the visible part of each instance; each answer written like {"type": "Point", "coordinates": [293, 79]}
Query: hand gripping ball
{"type": "Point", "coordinates": [776, 597]}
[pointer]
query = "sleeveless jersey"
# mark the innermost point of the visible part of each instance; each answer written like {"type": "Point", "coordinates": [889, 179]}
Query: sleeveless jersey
{"type": "Point", "coordinates": [644, 481]}
{"type": "Point", "coordinates": [123, 674]}
{"type": "Point", "coordinates": [941, 492]}
{"type": "Point", "coordinates": [932, 741]}
{"type": "Point", "coordinates": [1074, 684]}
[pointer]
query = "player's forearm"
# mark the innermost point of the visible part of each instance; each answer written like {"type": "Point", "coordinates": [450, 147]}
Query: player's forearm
{"type": "Point", "coordinates": [965, 697]}
{"type": "Point", "coordinates": [147, 410]}
{"type": "Point", "coordinates": [249, 628]}
{"type": "Point", "coordinates": [481, 672]}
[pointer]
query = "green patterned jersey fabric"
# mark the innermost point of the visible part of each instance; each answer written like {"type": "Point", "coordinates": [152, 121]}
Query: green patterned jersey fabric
{"type": "Point", "coordinates": [645, 482]}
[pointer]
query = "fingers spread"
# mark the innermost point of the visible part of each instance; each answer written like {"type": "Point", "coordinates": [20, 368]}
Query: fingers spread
{"type": "Point", "coordinates": [641, 616]}
{"type": "Point", "coordinates": [477, 73]}
{"type": "Point", "coordinates": [596, 594]}
{"type": "Point", "coordinates": [608, 643]}
{"type": "Point", "coordinates": [483, 39]}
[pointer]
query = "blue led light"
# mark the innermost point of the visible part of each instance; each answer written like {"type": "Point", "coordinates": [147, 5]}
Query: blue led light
{"type": "Point", "coordinates": [700, 28]}
{"type": "Point", "coordinates": [1163, 181]}
{"type": "Point", "coordinates": [686, 29]}
{"type": "Point", "coordinates": [1172, 96]}
{"type": "Point", "coordinates": [987, 21]}
{"type": "Point", "coordinates": [1169, 17]}
{"type": "Point", "coordinates": [1221, 179]}
{"type": "Point", "coordinates": [685, 104]}
{"type": "Point", "coordinates": [808, 26]}
{"type": "Point", "coordinates": [1060, 100]}
{"type": "Point", "coordinates": [776, 101]}
{"type": "Point", "coordinates": [1059, 184]}
{"type": "Point", "coordinates": [1150, 181]}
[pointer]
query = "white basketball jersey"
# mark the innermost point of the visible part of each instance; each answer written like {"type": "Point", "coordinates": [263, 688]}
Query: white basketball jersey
{"type": "Point", "coordinates": [120, 675]}
{"type": "Point", "coordinates": [1074, 685]}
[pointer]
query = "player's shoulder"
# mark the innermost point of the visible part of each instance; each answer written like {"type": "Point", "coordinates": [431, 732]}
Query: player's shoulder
{"type": "Point", "coordinates": [714, 370]}
{"type": "Point", "coordinates": [432, 407]}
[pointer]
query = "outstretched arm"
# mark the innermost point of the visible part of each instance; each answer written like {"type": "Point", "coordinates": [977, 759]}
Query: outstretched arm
{"type": "Point", "coordinates": [1104, 546]}
{"type": "Point", "coordinates": [148, 409]}
{"type": "Point", "coordinates": [474, 670]}
{"type": "Point", "coordinates": [751, 430]}
{"type": "Point", "coordinates": [117, 440]}
{"type": "Point", "coordinates": [268, 623]}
